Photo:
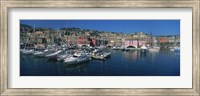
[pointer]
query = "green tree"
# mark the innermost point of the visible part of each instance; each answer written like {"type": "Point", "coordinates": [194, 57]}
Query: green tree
{"type": "Point", "coordinates": [67, 33]}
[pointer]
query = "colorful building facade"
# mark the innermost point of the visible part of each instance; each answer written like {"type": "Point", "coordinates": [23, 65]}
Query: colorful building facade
{"type": "Point", "coordinates": [82, 41]}
{"type": "Point", "coordinates": [135, 43]}
{"type": "Point", "coordinates": [163, 39]}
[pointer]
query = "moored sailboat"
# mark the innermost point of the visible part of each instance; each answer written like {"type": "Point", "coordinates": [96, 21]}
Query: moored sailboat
{"type": "Point", "coordinates": [28, 52]}
{"type": "Point", "coordinates": [154, 49]}
{"type": "Point", "coordinates": [41, 53]}
{"type": "Point", "coordinates": [53, 55]}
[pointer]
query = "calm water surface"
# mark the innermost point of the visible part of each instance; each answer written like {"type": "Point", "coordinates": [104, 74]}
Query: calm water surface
{"type": "Point", "coordinates": [129, 63]}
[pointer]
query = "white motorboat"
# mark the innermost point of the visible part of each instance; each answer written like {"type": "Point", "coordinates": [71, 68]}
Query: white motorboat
{"type": "Point", "coordinates": [106, 54]}
{"type": "Point", "coordinates": [101, 55]}
{"type": "Point", "coordinates": [125, 49]}
{"type": "Point", "coordinates": [22, 50]}
{"type": "Point", "coordinates": [114, 48]}
{"type": "Point", "coordinates": [143, 49]}
{"type": "Point", "coordinates": [41, 53]}
{"type": "Point", "coordinates": [172, 49]}
{"type": "Point", "coordinates": [98, 56]}
{"type": "Point", "coordinates": [154, 49]}
{"type": "Point", "coordinates": [75, 59]}
{"type": "Point", "coordinates": [28, 51]}
{"type": "Point", "coordinates": [175, 49]}
{"type": "Point", "coordinates": [63, 55]}
{"type": "Point", "coordinates": [53, 55]}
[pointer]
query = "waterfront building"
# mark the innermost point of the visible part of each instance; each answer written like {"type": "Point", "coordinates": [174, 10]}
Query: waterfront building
{"type": "Point", "coordinates": [123, 41]}
{"type": "Point", "coordinates": [171, 39]}
{"type": "Point", "coordinates": [115, 41]}
{"type": "Point", "coordinates": [91, 41]}
{"type": "Point", "coordinates": [71, 40]}
{"type": "Point", "coordinates": [163, 39]}
{"type": "Point", "coordinates": [94, 42]}
{"type": "Point", "coordinates": [112, 42]}
{"type": "Point", "coordinates": [174, 39]}
{"type": "Point", "coordinates": [83, 41]}
{"type": "Point", "coordinates": [135, 43]}
{"type": "Point", "coordinates": [101, 42]}
{"type": "Point", "coordinates": [38, 37]}
{"type": "Point", "coordinates": [139, 35]}
{"type": "Point", "coordinates": [119, 41]}
{"type": "Point", "coordinates": [177, 39]}
{"type": "Point", "coordinates": [88, 37]}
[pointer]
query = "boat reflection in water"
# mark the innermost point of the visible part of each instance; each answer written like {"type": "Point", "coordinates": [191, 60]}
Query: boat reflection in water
{"type": "Point", "coordinates": [76, 67]}
{"type": "Point", "coordinates": [135, 55]}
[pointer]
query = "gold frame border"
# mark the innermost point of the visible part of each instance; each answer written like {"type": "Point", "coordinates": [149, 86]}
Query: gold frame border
{"type": "Point", "coordinates": [6, 4]}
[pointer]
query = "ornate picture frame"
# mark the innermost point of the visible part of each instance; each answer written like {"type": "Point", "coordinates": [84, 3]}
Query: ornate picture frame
{"type": "Point", "coordinates": [4, 56]}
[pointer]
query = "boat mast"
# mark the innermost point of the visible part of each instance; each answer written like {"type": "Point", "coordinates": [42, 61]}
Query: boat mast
{"type": "Point", "coordinates": [151, 39]}
{"type": "Point", "coordinates": [26, 38]}
{"type": "Point", "coordinates": [34, 31]}
{"type": "Point", "coordinates": [34, 28]}
{"type": "Point", "coordinates": [57, 36]}
{"type": "Point", "coordinates": [67, 33]}
{"type": "Point", "coordinates": [104, 40]}
{"type": "Point", "coordinates": [175, 41]}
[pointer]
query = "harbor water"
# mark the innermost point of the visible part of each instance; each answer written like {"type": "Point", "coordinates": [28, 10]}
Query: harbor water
{"type": "Point", "coordinates": [121, 63]}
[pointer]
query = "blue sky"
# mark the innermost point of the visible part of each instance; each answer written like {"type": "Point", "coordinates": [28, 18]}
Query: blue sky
{"type": "Point", "coordinates": [157, 27]}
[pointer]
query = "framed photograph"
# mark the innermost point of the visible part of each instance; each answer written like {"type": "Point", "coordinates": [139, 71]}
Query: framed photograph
{"type": "Point", "coordinates": [101, 47]}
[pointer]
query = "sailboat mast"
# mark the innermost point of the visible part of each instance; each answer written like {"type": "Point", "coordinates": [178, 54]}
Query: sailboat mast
{"type": "Point", "coordinates": [67, 33]}
{"type": "Point", "coordinates": [57, 36]}
{"type": "Point", "coordinates": [34, 28]}
{"type": "Point", "coordinates": [175, 41]}
{"type": "Point", "coordinates": [26, 38]}
{"type": "Point", "coordinates": [151, 39]}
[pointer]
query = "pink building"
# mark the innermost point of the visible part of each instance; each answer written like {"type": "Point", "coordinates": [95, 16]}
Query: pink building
{"type": "Point", "coordinates": [94, 41]}
{"type": "Point", "coordinates": [163, 40]}
{"type": "Point", "coordinates": [135, 43]}
{"type": "Point", "coordinates": [86, 41]}
{"type": "Point", "coordinates": [82, 41]}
